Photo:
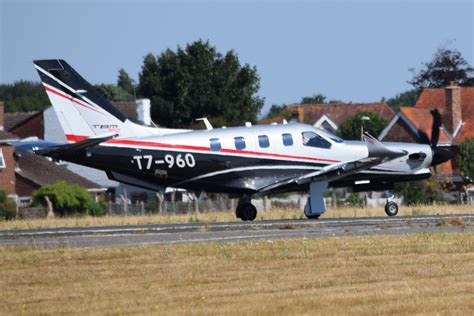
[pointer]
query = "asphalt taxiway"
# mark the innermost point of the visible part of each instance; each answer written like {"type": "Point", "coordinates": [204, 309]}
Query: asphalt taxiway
{"type": "Point", "coordinates": [141, 235]}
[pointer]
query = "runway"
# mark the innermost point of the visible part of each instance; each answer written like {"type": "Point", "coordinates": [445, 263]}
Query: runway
{"type": "Point", "coordinates": [142, 235]}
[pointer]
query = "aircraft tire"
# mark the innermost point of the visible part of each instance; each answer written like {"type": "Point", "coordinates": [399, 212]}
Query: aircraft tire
{"type": "Point", "coordinates": [391, 208]}
{"type": "Point", "coordinates": [314, 216]}
{"type": "Point", "coordinates": [246, 212]}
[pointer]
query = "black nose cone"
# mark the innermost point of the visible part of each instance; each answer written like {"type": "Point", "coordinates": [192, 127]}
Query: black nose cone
{"type": "Point", "coordinates": [441, 155]}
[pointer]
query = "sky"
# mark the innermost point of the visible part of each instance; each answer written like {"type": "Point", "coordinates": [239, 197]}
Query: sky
{"type": "Point", "coordinates": [357, 51]}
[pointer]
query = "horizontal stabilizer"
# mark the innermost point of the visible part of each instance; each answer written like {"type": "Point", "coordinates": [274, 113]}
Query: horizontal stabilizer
{"type": "Point", "coordinates": [57, 152]}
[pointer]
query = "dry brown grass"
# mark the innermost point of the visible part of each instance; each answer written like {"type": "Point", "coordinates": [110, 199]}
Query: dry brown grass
{"type": "Point", "coordinates": [406, 274]}
{"type": "Point", "coordinates": [226, 216]}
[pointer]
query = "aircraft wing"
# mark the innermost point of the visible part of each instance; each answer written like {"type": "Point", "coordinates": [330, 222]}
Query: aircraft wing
{"type": "Point", "coordinates": [378, 153]}
{"type": "Point", "coordinates": [57, 152]}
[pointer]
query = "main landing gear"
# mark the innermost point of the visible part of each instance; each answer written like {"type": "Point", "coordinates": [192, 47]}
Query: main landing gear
{"type": "Point", "coordinates": [391, 207]}
{"type": "Point", "coordinates": [315, 205]}
{"type": "Point", "coordinates": [245, 210]}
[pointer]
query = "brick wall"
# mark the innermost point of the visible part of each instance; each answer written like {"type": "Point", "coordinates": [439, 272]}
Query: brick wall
{"type": "Point", "coordinates": [2, 115]}
{"type": "Point", "coordinates": [400, 132]}
{"type": "Point", "coordinates": [7, 175]}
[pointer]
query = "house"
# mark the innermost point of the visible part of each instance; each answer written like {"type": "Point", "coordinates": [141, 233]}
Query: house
{"type": "Point", "coordinates": [331, 116]}
{"type": "Point", "coordinates": [456, 106]}
{"type": "Point", "coordinates": [24, 124]}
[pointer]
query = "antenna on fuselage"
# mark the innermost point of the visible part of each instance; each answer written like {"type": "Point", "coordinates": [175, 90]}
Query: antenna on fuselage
{"type": "Point", "coordinates": [206, 122]}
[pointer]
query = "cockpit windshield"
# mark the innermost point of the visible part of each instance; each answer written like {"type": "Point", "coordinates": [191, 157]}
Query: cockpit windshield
{"type": "Point", "coordinates": [329, 135]}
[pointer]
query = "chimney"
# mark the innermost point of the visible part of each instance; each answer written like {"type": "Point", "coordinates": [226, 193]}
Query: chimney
{"type": "Point", "coordinates": [297, 113]}
{"type": "Point", "coordinates": [2, 115]}
{"type": "Point", "coordinates": [143, 111]}
{"type": "Point", "coordinates": [453, 106]}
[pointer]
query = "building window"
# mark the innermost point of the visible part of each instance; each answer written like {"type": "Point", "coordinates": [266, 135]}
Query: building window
{"type": "Point", "coordinates": [215, 144]}
{"type": "Point", "coordinates": [287, 139]}
{"type": "Point", "coordinates": [239, 143]}
{"type": "Point", "coordinates": [2, 160]}
{"type": "Point", "coordinates": [263, 141]}
{"type": "Point", "coordinates": [312, 139]}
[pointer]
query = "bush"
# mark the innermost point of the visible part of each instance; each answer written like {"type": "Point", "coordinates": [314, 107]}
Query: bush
{"type": "Point", "coordinates": [66, 198]}
{"type": "Point", "coordinates": [7, 207]}
{"type": "Point", "coordinates": [353, 200]}
{"type": "Point", "coordinates": [98, 209]}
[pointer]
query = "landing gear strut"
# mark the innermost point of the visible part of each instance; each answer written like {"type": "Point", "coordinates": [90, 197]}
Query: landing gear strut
{"type": "Point", "coordinates": [245, 210]}
{"type": "Point", "coordinates": [315, 205]}
{"type": "Point", "coordinates": [391, 207]}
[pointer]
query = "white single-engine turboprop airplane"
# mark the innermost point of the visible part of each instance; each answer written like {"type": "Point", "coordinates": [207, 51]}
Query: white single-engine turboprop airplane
{"type": "Point", "coordinates": [243, 161]}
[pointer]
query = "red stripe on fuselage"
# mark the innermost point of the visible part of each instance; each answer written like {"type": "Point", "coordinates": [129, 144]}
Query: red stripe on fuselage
{"type": "Point", "coordinates": [77, 138]}
{"type": "Point", "coordinates": [69, 98]}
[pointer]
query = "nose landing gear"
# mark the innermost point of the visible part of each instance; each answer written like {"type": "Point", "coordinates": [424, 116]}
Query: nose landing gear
{"type": "Point", "coordinates": [391, 207]}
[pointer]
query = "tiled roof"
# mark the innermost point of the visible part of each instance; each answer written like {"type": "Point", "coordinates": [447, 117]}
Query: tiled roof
{"type": "Point", "coordinates": [340, 112]}
{"type": "Point", "coordinates": [6, 136]}
{"type": "Point", "coordinates": [41, 171]}
{"type": "Point", "coordinates": [15, 118]}
{"type": "Point", "coordinates": [423, 121]}
{"type": "Point", "coordinates": [436, 98]}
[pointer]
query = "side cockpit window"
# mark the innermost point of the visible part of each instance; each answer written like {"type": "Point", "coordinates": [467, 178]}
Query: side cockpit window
{"type": "Point", "coordinates": [312, 139]}
{"type": "Point", "coordinates": [215, 144]}
{"type": "Point", "coordinates": [263, 141]}
{"type": "Point", "coordinates": [239, 143]}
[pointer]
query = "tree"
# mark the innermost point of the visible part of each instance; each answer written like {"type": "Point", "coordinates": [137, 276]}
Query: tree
{"type": "Point", "coordinates": [113, 93]}
{"type": "Point", "coordinates": [66, 198]}
{"type": "Point", "coordinates": [447, 65]}
{"type": "Point", "coordinates": [24, 96]}
{"type": "Point", "coordinates": [352, 127]}
{"type": "Point", "coordinates": [125, 82]}
{"type": "Point", "coordinates": [276, 110]}
{"type": "Point", "coordinates": [198, 81]}
{"type": "Point", "coordinates": [407, 98]}
{"type": "Point", "coordinates": [315, 99]}
{"type": "Point", "coordinates": [466, 158]}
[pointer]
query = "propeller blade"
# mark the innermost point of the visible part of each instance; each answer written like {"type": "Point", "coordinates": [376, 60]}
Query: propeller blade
{"type": "Point", "coordinates": [441, 155]}
{"type": "Point", "coordinates": [423, 137]}
{"type": "Point", "coordinates": [435, 127]}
